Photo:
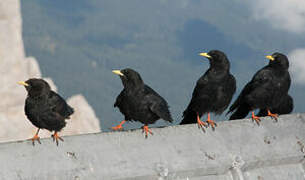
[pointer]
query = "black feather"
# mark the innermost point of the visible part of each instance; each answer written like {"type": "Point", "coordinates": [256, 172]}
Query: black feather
{"type": "Point", "coordinates": [265, 89]}
{"type": "Point", "coordinates": [284, 107]}
{"type": "Point", "coordinates": [139, 102]}
{"type": "Point", "coordinates": [213, 91]}
{"type": "Point", "coordinates": [45, 108]}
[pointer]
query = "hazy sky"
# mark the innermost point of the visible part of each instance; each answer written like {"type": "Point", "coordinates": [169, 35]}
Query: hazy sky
{"type": "Point", "coordinates": [78, 43]}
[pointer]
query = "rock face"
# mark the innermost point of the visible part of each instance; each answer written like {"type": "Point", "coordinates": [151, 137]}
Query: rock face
{"type": "Point", "coordinates": [14, 66]}
{"type": "Point", "coordinates": [83, 120]}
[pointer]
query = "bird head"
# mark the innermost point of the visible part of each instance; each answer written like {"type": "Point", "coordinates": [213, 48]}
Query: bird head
{"type": "Point", "coordinates": [130, 78]}
{"type": "Point", "coordinates": [278, 59]}
{"type": "Point", "coordinates": [36, 87]}
{"type": "Point", "coordinates": [217, 59]}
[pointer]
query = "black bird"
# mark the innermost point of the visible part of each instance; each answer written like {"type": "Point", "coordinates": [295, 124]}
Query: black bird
{"type": "Point", "coordinates": [139, 102]}
{"type": "Point", "coordinates": [284, 107]}
{"type": "Point", "coordinates": [213, 91]}
{"type": "Point", "coordinates": [265, 89]}
{"type": "Point", "coordinates": [45, 108]}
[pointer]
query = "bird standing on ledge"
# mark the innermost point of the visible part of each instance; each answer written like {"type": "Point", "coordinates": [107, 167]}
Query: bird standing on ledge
{"type": "Point", "coordinates": [213, 92]}
{"type": "Point", "coordinates": [265, 90]}
{"type": "Point", "coordinates": [45, 108]}
{"type": "Point", "coordinates": [139, 102]}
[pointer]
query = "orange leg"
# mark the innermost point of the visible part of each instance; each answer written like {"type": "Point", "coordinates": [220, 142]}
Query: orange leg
{"type": "Point", "coordinates": [200, 123]}
{"type": "Point", "coordinates": [211, 122]}
{"type": "Point", "coordinates": [36, 137]}
{"type": "Point", "coordinates": [256, 118]}
{"type": "Point", "coordinates": [273, 116]}
{"type": "Point", "coordinates": [147, 130]}
{"type": "Point", "coordinates": [119, 127]}
{"type": "Point", "coordinates": [55, 137]}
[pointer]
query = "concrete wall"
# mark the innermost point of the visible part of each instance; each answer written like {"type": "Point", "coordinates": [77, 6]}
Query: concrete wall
{"type": "Point", "coordinates": [237, 150]}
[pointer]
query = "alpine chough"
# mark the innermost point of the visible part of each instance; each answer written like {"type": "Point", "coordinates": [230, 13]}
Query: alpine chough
{"type": "Point", "coordinates": [138, 102]}
{"type": "Point", "coordinates": [265, 89]}
{"type": "Point", "coordinates": [45, 108]}
{"type": "Point", "coordinates": [213, 91]}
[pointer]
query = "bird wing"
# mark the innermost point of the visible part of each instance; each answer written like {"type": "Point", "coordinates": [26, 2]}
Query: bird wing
{"type": "Point", "coordinates": [59, 105]}
{"type": "Point", "coordinates": [52, 119]}
{"type": "Point", "coordinates": [201, 85]}
{"type": "Point", "coordinates": [200, 94]}
{"type": "Point", "coordinates": [258, 87]}
{"type": "Point", "coordinates": [157, 104]}
{"type": "Point", "coordinates": [237, 103]}
{"type": "Point", "coordinates": [241, 112]}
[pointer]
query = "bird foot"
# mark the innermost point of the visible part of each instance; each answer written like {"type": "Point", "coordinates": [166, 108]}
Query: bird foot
{"type": "Point", "coordinates": [256, 119]}
{"type": "Point", "coordinates": [146, 130]}
{"type": "Point", "coordinates": [118, 127]}
{"type": "Point", "coordinates": [273, 116]}
{"type": "Point", "coordinates": [55, 137]}
{"type": "Point", "coordinates": [212, 123]}
{"type": "Point", "coordinates": [201, 124]}
{"type": "Point", "coordinates": [37, 138]}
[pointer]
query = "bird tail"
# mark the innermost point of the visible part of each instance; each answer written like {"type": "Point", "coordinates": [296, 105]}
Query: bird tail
{"type": "Point", "coordinates": [234, 106]}
{"type": "Point", "coordinates": [162, 110]}
{"type": "Point", "coordinates": [167, 117]}
{"type": "Point", "coordinates": [241, 112]}
{"type": "Point", "coordinates": [189, 117]}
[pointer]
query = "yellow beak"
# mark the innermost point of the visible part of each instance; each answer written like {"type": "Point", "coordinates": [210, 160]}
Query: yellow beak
{"type": "Point", "coordinates": [23, 83]}
{"type": "Point", "coordinates": [270, 58]}
{"type": "Point", "coordinates": [118, 72]}
{"type": "Point", "coordinates": [205, 55]}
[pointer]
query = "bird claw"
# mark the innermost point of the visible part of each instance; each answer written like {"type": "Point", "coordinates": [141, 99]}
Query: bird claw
{"type": "Point", "coordinates": [37, 138]}
{"type": "Point", "coordinates": [256, 119]}
{"type": "Point", "coordinates": [212, 123]}
{"type": "Point", "coordinates": [117, 128]}
{"type": "Point", "coordinates": [273, 116]}
{"type": "Point", "coordinates": [146, 130]}
{"type": "Point", "coordinates": [201, 124]}
{"type": "Point", "coordinates": [56, 137]}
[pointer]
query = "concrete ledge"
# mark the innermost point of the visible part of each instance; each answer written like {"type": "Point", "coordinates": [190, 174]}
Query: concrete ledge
{"type": "Point", "coordinates": [237, 150]}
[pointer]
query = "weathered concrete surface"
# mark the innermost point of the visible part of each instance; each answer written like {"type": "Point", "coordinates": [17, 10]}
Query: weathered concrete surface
{"type": "Point", "coordinates": [237, 150]}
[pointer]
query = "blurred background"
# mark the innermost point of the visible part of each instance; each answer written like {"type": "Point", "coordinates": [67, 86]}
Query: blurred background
{"type": "Point", "coordinates": [77, 43]}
